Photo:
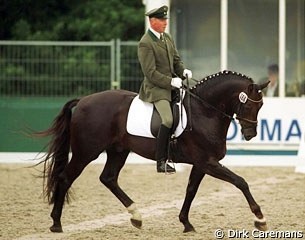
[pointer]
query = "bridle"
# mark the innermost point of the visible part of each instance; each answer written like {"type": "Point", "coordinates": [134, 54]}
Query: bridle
{"type": "Point", "coordinates": [243, 98]}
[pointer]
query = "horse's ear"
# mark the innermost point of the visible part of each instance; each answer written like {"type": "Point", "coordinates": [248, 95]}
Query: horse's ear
{"type": "Point", "coordinates": [251, 87]}
{"type": "Point", "coordinates": [264, 85]}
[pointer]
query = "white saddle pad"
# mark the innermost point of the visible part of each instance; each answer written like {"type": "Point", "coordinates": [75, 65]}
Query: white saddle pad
{"type": "Point", "coordinates": [139, 119]}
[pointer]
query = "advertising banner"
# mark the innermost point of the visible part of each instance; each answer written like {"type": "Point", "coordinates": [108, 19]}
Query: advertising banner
{"type": "Point", "coordinates": [280, 124]}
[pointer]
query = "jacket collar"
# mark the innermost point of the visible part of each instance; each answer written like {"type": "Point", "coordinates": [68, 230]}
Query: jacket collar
{"type": "Point", "coordinates": [156, 39]}
{"type": "Point", "coordinates": [157, 34]}
{"type": "Point", "coordinates": [153, 35]}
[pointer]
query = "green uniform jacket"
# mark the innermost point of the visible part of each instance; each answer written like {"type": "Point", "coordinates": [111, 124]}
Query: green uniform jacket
{"type": "Point", "coordinates": [159, 62]}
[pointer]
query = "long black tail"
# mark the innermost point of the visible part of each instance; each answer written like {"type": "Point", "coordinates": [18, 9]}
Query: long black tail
{"type": "Point", "coordinates": [57, 156]}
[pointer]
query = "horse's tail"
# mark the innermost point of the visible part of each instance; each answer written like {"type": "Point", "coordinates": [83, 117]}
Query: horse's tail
{"type": "Point", "coordinates": [57, 156]}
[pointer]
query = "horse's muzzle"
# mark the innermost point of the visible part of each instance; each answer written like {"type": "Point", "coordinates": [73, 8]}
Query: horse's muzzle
{"type": "Point", "coordinates": [249, 132]}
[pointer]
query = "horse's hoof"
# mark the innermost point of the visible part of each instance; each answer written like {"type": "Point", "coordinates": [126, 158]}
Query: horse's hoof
{"type": "Point", "coordinates": [189, 229]}
{"type": "Point", "coordinates": [57, 229]}
{"type": "Point", "coordinates": [261, 225]}
{"type": "Point", "coordinates": [136, 223]}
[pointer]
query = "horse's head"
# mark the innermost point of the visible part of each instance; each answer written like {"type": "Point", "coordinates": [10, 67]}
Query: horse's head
{"type": "Point", "coordinates": [229, 92]}
{"type": "Point", "coordinates": [250, 102]}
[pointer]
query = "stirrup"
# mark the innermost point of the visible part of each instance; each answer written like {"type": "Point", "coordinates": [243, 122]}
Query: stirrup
{"type": "Point", "coordinates": [170, 162]}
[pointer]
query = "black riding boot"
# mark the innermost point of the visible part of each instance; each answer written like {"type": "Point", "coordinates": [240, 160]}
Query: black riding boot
{"type": "Point", "coordinates": [162, 150]}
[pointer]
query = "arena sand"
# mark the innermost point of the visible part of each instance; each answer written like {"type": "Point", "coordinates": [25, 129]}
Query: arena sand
{"type": "Point", "coordinates": [95, 213]}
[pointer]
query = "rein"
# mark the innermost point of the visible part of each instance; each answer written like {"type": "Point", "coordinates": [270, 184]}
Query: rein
{"type": "Point", "coordinates": [207, 104]}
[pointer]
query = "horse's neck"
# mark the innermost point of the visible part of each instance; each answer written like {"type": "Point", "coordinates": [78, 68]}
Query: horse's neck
{"type": "Point", "coordinates": [221, 100]}
{"type": "Point", "coordinates": [222, 94]}
{"type": "Point", "coordinates": [201, 111]}
{"type": "Point", "coordinates": [217, 98]}
{"type": "Point", "coordinates": [209, 127]}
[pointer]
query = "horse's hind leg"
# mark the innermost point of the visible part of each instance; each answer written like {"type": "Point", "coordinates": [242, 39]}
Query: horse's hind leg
{"type": "Point", "coordinates": [216, 170]}
{"type": "Point", "coordinates": [66, 178]}
{"type": "Point", "coordinates": [109, 177]}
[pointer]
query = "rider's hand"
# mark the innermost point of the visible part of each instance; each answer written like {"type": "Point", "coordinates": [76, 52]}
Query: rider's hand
{"type": "Point", "coordinates": [187, 73]}
{"type": "Point", "coordinates": [176, 82]}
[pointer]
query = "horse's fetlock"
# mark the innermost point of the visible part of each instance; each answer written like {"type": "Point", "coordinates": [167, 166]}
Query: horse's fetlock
{"type": "Point", "coordinates": [257, 211]}
{"type": "Point", "coordinates": [182, 218]}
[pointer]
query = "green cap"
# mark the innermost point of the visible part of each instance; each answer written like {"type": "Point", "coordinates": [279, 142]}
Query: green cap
{"type": "Point", "coordinates": [158, 12]}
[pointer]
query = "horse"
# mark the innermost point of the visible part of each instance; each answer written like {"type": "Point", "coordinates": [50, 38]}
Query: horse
{"type": "Point", "coordinates": [98, 123]}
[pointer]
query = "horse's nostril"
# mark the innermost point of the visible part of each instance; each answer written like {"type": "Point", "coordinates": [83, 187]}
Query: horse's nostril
{"type": "Point", "coordinates": [248, 137]}
{"type": "Point", "coordinates": [249, 133]}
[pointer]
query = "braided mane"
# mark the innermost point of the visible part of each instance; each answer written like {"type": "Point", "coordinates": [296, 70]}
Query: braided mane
{"type": "Point", "coordinates": [219, 76]}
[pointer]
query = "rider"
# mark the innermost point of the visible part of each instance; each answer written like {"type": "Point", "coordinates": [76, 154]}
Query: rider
{"type": "Point", "coordinates": [163, 70]}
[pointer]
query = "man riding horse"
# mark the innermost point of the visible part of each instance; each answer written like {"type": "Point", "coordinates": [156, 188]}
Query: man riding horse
{"type": "Point", "coordinates": [163, 70]}
{"type": "Point", "coordinates": [96, 123]}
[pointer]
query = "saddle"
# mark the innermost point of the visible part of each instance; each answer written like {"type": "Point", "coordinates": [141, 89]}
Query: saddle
{"type": "Point", "coordinates": [144, 120]}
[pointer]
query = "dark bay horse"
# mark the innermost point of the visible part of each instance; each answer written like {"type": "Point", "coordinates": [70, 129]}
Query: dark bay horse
{"type": "Point", "coordinates": [98, 123]}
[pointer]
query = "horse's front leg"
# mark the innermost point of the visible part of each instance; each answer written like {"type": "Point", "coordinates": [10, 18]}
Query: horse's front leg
{"type": "Point", "coordinates": [194, 180]}
{"type": "Point", "coordinates": [219, 171]}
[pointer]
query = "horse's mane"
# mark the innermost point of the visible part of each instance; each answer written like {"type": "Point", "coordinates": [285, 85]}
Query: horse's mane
{"type": "Point", "coordinates": [226, 75]}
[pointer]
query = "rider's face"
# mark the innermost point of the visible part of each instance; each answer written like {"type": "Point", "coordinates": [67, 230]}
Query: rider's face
{"type": "Point", "coordinates": [158, 24]}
